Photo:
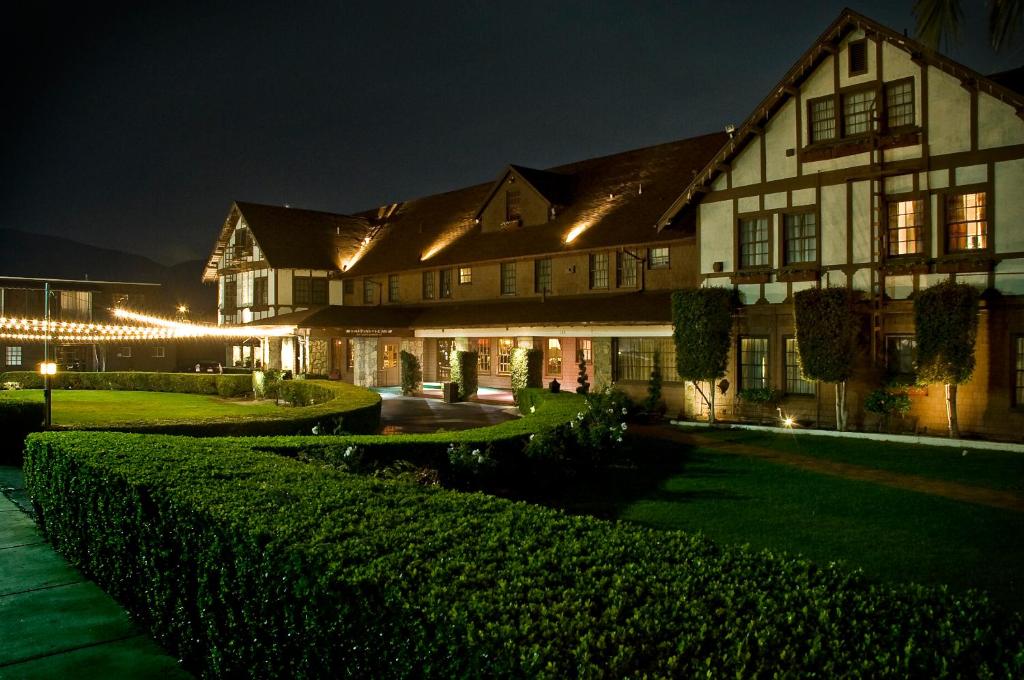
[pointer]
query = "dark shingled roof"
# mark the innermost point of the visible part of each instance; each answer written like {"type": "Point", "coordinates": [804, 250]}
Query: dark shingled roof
{"type": "Point", "coordinates": [294, 238]}
{"type": "Point", "coordinates": [1011, 80]}
{"type": "Point", "coordinates": [654, 308]}
{"type": "Point", "coordinates": [616, 199]}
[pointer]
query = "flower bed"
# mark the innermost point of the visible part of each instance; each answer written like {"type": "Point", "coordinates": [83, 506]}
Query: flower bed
{"type": "Point", "coordinates": [247, 563]}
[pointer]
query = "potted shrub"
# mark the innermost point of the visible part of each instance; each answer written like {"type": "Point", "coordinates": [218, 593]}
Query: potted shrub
{"type": "Point", "coordinates": [887, 402]}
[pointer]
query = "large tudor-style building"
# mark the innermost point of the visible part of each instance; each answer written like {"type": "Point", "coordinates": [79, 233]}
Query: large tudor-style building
{"type": "Point", "coordinates": [875, 164]}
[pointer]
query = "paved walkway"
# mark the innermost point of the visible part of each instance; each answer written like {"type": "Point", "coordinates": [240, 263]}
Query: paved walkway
{"type": "Point", "coordinates": [401, 415]}
{"type": "Point", "coordinates": [967, 493]}
{"type": "Point", "coordinates": [54, 623]}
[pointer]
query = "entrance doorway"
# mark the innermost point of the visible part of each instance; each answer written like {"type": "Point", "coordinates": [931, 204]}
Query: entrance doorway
{"type": "Point", "coordinates": [388, 372]}
{"type": "Point", "coordinates": [445, 347]}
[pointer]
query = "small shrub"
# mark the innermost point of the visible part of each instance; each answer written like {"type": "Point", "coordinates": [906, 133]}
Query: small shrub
{"type": "Point", "coordinates": [470, 465]}
{"type": "Point", "coordinates": [761, 396]}
{"type": "Point", "coordinates": [527, 369]}
{"type": "Point", "coordinates": [412, 374]}
{"type": "Point", "coordinates": [887, 402]}
{"type": "Point", "coordinates": [464, 372]}
{"type": "Point", "coordinates": [653, 402]}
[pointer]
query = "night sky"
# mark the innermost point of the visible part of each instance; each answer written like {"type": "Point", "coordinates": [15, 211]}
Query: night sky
{"type": "Point", "coordinates": [135, 127]}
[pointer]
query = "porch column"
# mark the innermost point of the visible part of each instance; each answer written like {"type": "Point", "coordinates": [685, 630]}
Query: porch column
{"type": "Point", "coordinates": [602, 350]}
{"type": "Point", "coordinates": [364, 371]}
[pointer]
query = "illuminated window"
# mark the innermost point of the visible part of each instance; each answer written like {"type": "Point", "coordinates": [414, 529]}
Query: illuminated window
{"type": "Point", "coordinates": [822, 119]}
{"type": "Point", "coordinates": [900, 355]}
{"type": "Point", "coordinates": [858, 112]}
{"type": "Point", "coordinates": [13, 356]}
{"type": "Point", "coordinates": [658, 258]}
{"type": "Point", "coordinates": [906, 228]}
{"type": "Point", "coordinates": [483, 355]}
{"type": "Point", "coordinates": [446, 283]}
{"type": "Point", "coordinates": [858, 57]}
{"type": "Point", "coordinates": [428, 285]}
{"type": "Point", "coordinates": [75, 305]}
{"type": "Point", "coordinates": [512, 211]}
{"type": "Point", "coordinates": [260, 291]}
{"type": "Point", "coordinates": [584, 350]}
{"type": "Point", "coordinates": [508, 278]}
{"type": "Point", "coordinates": [158, 353]}
{"type": "Point", "coordinates": [627, 269]}
{"type": "Point", "coordinates": [599, 270]}
{"type": "Point", "coordinates": [505, 347]}
{"type": "Point", "coordinates": [465, 275]}
{"type": "Point", "coordinates": [634, 358]}
{"type": "Point", "coordinates": [392, 287]}
{"type": "Point", "coordinates": [966, 222]}
{"type": "Point", "coordinates": [899, 103]}
{"type": "Point", "coordinates": [542, 276]}
{"type": "Point", "coordinates": [801, 236]}
{"type": "Point", "coordinates": [796, 383]}
{"type": "Point", "coordinates": [553, 357]}
{"type": "Point", "coordinates": [754, 242]}
{"type": "Point", "coordinates": [753, 362]}
{"type": "Point", "coordinates": [367, 291]}
{"type": "Point", "coordinates": [389, 356]}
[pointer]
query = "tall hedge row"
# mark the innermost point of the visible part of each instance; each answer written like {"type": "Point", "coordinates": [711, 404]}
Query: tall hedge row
{"type": "Point", "coordinates": [702, 328]}
{"type": "Point", "coordinates": [464, 372]}
{"type": "Point", "coordinates": [527, 369]}
{"type": "Point", "coordinates": [249, 564]}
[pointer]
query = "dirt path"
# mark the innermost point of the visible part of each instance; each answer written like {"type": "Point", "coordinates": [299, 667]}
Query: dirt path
{"type": "Point", "coordinates": [936, 487]}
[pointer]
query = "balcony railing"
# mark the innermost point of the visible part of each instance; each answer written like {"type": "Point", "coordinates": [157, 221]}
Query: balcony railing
{"type": "Point", "coordinates": [235, 255]}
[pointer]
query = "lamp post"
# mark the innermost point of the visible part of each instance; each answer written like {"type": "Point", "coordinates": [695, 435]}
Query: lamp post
{"type": "Point", "coordinates": [47, 368]}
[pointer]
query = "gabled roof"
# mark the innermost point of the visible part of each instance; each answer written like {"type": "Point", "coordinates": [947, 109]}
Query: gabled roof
{"type": "Point", "coordinates": [1004, 87]}
{"type": "Point", "coordinates": [554, 187]}
{"type": "Point", "coordinates": [616, 200]}
{"type": "Point", "coordinates": [1011, 80]}
{"type": "Point", "coordinates": [292, 237]}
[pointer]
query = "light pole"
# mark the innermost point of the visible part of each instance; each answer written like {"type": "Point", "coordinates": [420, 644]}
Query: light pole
{"type": "Point", "coordinates": [47, 368]}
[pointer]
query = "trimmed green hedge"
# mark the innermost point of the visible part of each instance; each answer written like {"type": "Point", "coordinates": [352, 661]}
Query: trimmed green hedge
{"type": "Point", "coordinates": [464, 373]}
{"type": "Point", "coordinates": [139, 381]}
{"type": "Point", "coordinates": [330, 408]}
{"type": "Point", "coordinates": [527, 369]}
{"type": "Point", "coordinates": [248, 564]}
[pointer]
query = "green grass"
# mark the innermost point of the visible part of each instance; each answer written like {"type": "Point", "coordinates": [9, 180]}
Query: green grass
{"type": "Point", "coordinates": [102, 407]}
{"type": "Point", "coordinates": [894, 535]}
{"type": "Point", "coordinates": [1003, 470]}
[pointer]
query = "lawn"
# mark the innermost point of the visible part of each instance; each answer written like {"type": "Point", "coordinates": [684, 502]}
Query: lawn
{"type": "Point", "coordinates": [103, 407]}
{"type": "Point", "coordinates": [894, 535]}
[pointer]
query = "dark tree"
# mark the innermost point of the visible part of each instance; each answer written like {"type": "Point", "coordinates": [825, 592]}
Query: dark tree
{"type": "Point", "coordinates": [702, 330]}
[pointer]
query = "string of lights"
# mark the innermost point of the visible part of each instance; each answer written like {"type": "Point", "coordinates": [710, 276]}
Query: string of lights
{"type": "Point", "coordinates": [149, 328]}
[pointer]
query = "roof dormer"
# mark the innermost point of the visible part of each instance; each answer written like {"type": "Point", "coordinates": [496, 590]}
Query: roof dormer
{"type": "Point", "coordinates": [523, 197]}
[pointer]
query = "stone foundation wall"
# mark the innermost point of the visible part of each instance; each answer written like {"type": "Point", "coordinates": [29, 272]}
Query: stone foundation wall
{"type": "Point", "coordinates": [319, 357]}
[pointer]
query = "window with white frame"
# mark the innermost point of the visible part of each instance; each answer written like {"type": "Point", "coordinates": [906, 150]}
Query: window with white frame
{"type": "Point", "coordinates": [627, 269]}
{"type": "Point", "coordinates": [796, 383]}
{"type": "Point", "coordinates": [13, 356]}
{"type": "Point", "coordinates": [858, 112]}
{"type": "Point", "coordinates": [598, 270]}
{"type": "Point", "coordinates": [753, 242]}
{"type": "Point", "coordinates": [508, 278]}
{"type": "Point", "coordinates": [753, 366]}
{"type": "Point", "coordinates": [634, 358]}
{"type": "Point", "coordinates": [905, 231]}
{"type": "Point", "coordinates": [483, 355]}
{"type": "Point", "coordinates": [899, 103]}
{"type": "Point", "coordinates": [542, 276]}
{"type": "Point", "coordinates": [446, 283]}
{"type": "Point", "coordinates": [800, 232]}
{"type": "Point", "coordinates": [159, 352]}
{"type": "Point", "coordinates": [392, 287]}
{"type": "Point", "coordinates": [658, 258]}
{"type": "Point", "coordinates": [966, 222]}
{"type": "Point", "coordinates": [368, 291]}
{"type": "Point", "coordinates": [505, 347]}
{"type": "Point", "coordinates": [553, 357]}
{"type": "Point", "coordinates": [428, 285]}
{"type": "Point", "coordinates": [465, 276]}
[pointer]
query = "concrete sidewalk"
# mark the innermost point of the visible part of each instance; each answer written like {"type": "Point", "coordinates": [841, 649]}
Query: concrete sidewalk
{"type": "Point", "coordinates": [408, 415]}
{"type": "Point", "coordinates": [55, 623]}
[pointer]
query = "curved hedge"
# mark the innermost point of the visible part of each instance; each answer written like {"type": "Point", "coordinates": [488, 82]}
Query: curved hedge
{"type": "Point", "coordinates": [246, 563]}
{"type": "Point", "coordinates": [138, 381]}
{"type": "Point", "coordinates": [327, 407]}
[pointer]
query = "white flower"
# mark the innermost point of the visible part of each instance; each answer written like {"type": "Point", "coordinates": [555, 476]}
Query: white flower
{"type": "Point", "coordinates": [619, 440]}
{"type": "Point", "coordinates": [611, 410]}
{"type": "Point", "coordinates": [316, 429]}
{"type": "Point", "coordinates": [624, 410]}
{"type": "Point", "coordinates": [579, 415]}
{"type": "Point", "coordinates": [533, 409]}
{"type": "Point", "coordinates": [572, 423]}
{"type": "Point", "coordinates": [531, 437]}
{"type": "Point", "coordinates": [623, 427]}
{"type": "Point", "coordinates": [476, 452]}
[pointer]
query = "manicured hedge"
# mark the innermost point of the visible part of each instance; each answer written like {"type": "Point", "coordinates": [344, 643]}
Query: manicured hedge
{"type": "Point", "coordinates": [249, 564]}
{"type": "Point", "coordinates": [464, 372]}
{"type": "Point", "coordinates": [330, 408]}
{"type": "Point", "coordinates": [139, 381]}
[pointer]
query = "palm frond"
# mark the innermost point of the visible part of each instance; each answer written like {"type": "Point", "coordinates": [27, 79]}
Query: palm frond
{"type": "Point", "coordinates": [939, 21]}
{"type": "Point", "coordinates": [1004, 20]}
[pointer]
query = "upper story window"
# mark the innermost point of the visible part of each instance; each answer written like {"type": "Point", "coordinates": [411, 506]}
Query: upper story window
{"type": "Point", "coordinates": [899, 103]}
{"type": "Point", "coordinates": [627, 268]}
{"type": "Point", "coordinates": [658, 258]}
{"type": "Point", "coordinates": [465, 276]}
{"type": "Point", "coordinates": [428, 285]}
{"type": "Point", "coordinates": [508, 278]}
{"type": "Point", "coordinates": [905, 231]}
{"type": "Point", "coordinates": [800, 233]}
{"type": "Point", "coordinates": [446, 283]}
{"type": "Point", "coordinates": [822, 119]}
{"type": "Point", "coordinates": [599, 270]}
{"type": "Point", "coordinates": [512, 205]}
{"type": "Point", "coordinates": [754, 242]}
{"type": "Point", "coordinates": [900, 355]}
{"type": "Point", "coordinates": [13, 356]}
{"type": "Point", "coordinates": [230, 294]}
{"type": "Point", "coordinates": [309, 291]}
{"type": "Point", "coordinates": [367, 292]}
{"type": "Point", "coordinates": [858, 112]}
{"type": "Point", "coordinates": [542, 276]}
{"type": "Point", "coordinates": [857, 53]}
{"type": "Point", "coordinates": [1018, 371]}
{"type": "Point", "coordinates": [966, 222]}
{"type": "Point", "coordinates": [260, 291]}
{"type": "Point", "coordinates": [393, 288]}
{"type": "Point", "coordinates": [75, 305]}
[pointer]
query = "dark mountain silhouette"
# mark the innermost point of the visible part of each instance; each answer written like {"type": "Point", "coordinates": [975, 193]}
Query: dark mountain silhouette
{"type": "Point", "coordinates": [39, 255]}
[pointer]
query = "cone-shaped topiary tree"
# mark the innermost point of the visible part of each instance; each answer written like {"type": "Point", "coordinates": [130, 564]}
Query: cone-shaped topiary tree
{"type": "Point", "coordinates": [946, 319]}
{"type": "Point", "coordinates": [702, 329]}
{"type": "Point", "coordinates": [653, 402]}
{"type": "Point", "coordinates": [827, 325]}
{"type": "Point", "coordinates": [584, 383]}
